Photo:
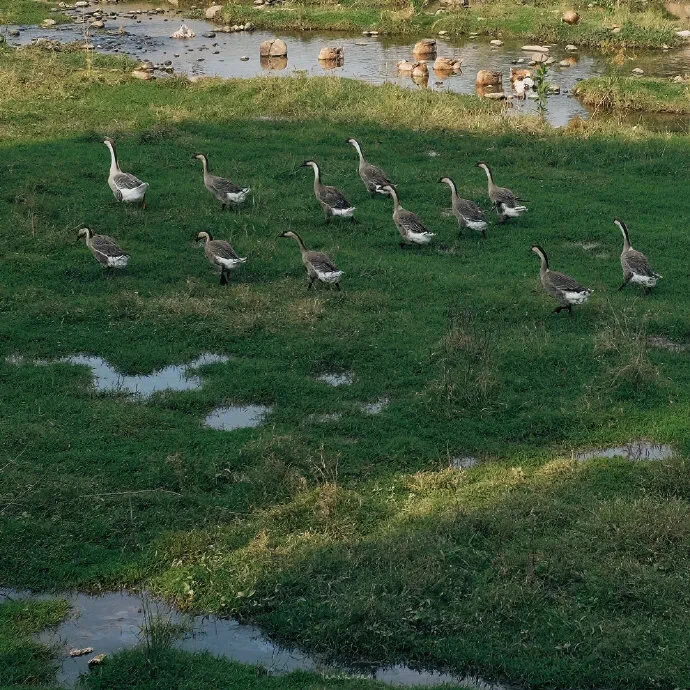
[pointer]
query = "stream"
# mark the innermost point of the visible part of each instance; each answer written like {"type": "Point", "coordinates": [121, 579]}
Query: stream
{"type": "Point", "coordinates": [143, 31]}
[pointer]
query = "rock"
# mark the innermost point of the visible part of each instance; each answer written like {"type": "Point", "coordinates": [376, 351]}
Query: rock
{"type": "Point", "coordinates": [639, 72]}
{"type": "Point", "coordinates": [144, 75]}
{"type": "Point", "coordinates": [81, 3]}
{"type": "Point", "coordinates": [496, 42]}
{"type": "Point", "coordinates": [97, 660]}
{"type": "Point", "coordinates": [145, 65]}
{"type": "Point", "coordinates": [274, 63]}
{"type": "Point", "coordinates": [519, 74]}
{"type": "Point", "coordinates": [258, 2]}
{"type": "Point", "coordinates": [535, 49]}
{"type": "Point", "coordinates": [678, 79]}
{"type": "Point", "coordinates": [332, 54]}
{"type": "Point", "coordinates": [425, 48]}
{"type": "Point", "coordinates": [373, 33]}
{"type": "Point", "coordinates": [244, 58]}
{"type": "Point", "coordinates": [568, 62]}
{"type": "Point", "coordinates": [420, 70]}
{"type": "Point", "coordinates": [495, 95]}
{"type": "Point", "coordinates": [98, 24]}
{"type": "Point", "coordinates": [183, 32]}
{"type": "Point", "coordinates": [249, 26]}
{"type": "Point", "coordinates": [571, 17]}
{"type": "Point", "coordinates": [488, 78]}
{"type": "Point", "coordinates": [212, 11]}
{"type": "Point", "coordinates": [554, 89]}
{"type": "Point", "coordinates": [273, 48]}
{"type": "Point", "coordinates": [80, 652]}
{"type": "Point", "coordinates": [684, 34]}
{"type": "Point", "coordinates": [616, 30]}
{"type": "Point", "coordinates": [442, 33]}
{"type": "Point", "coordinates": [209, 34]}
{"type": "Point", "coordinates": [48, 22]}
{"type": "Point", "coordinates": [405, 66]}
{"type": "Point", "coordinates": [571, 47]}
{"type": "Point", "coordinates": [13, 33]}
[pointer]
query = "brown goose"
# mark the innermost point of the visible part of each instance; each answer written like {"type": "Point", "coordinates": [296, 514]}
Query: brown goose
{"type": "Point", "coordinates": [331, 199]}
{"type": "Point", "coordinates": [503, 199]}
{"type": "Point", "coordinates": [564, 289]}
{"type": "Point", "coordinates": [126, 187]}
{"type": "Point", "coordinates": [104, 249]}
{"type": "Point", "coordinates": [318, 265]}
{"type": "Point", "coordinates": [374, 178]}
{"type": "Point", "coordinates": [469, 215]}
{"type": "Point", "coordinates": [409, 225]}
{"type": "Point", "coordinates": [635, 265]}
{"type": "Point", "coordinates": [220, 254]}
{"type": "Point", "coordinates": [227, 192]}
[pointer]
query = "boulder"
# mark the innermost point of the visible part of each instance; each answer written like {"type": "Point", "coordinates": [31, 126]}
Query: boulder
{"type": "Point", "coordinates": [535, 49]}
{"type": "Point", "coordinates": [331, 54]}
{"type": "Point", "coordinates": [486, 77]}
{"type": "Point", "coordinates": [274, 63]}
{"type": "Point", "coordinates": [684, 34]}
{"type": "Point", "coordinates": [420, 70]}
{"type": "Point", "coordinates": [275, 47]}
{"type": "Point", "coordinates": [98, 24]}
{"type": "Point", "coordinates": [571, 47]}
{"type": "Point", "coordinates": [495, 95]}
{"type": "Point", "coordinates": [406, 66]}
{"type": "Point", "coordinates": [571, 17]}
{"type": "Point", "coordinates": [213, 11]}
{"type": "Point", "coordinates": [183, 32]}
{"type": "Point", "coordinates": [519, 74]}
{"type": "Point", "coordinates": [143, 74]}
{"type": "Point", "coordinates": [496, 42]}
{"type": "Point", "coordinates": [425, 48]}
{"type": "Point", "coordinates": [446, 65]}
{"type": "Point", "coordinates": [638, 71]}
{"type": "Point", "coordinates": [48, 22]}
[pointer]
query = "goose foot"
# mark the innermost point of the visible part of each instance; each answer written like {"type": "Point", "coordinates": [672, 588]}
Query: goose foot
{"type": "Point", "coordinates": [337, 287]}
{"type": "Point", "coordinates": [143, 204]}
{"type": "Point", "coordinates": [223, 278]}
{"type": "Point", "coordinates": [310, 283]}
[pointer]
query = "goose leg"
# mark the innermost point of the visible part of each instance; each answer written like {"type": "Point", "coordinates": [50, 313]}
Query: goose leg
{"type": "Point", "coordinates": [626, 280]}
{"type": "Point", "coordinates": [484, 235]}
{"type": "Point", "coordinates": [570, 309]}
{"type": "Point", "coordinates": [223, 278]}
{"type": "Point", "coordinates": [223, 206]}
{"type": "Point", "coordinates": [337, 287]}
{"type": "Point", "coordinates": [143, 202]}
{"type": "Point", "coordinates": [310, 283]}
{"type": "Point", "coordinates": [354, 220]}
{"type": "Point", "coordinates": [557, 310]}
{"type": "Point", "coordinates": [402, 245]}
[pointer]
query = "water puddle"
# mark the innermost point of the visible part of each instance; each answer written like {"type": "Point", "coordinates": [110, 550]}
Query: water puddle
{"type": "Point", "coordinates": [463, 462]}
{"type": "Point", "coordinates": [236, 417]}
{"type": "Point", "coordinates": [636, 450]}
{"type": "Point", "coordinates": [375, 407]}
{"type": "Point", "coordinates": [106, 379]}
{"type": "Point", "coordinates": [372, 59]}
{"type": "Point", "coordinates": [332, 379]}
{"type": "Point", "coordinates": [661, 343]}
{"type": "Point", "coordinates": [325, 418]}
{"type": "Point", "coordinates": [113, 622]}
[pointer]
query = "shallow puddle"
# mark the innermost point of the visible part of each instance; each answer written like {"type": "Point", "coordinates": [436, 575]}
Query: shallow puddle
{"type": "Point", "coordinates": [636, 450]}
{"type": "Point", "coordinates": [463, 462]}
{"type": "Point", "coordinates": [106, 379]}
{"type": "Point", "coordinates": [336, 379]}
{"type": "Point", "coordinates": [371, 59]}
{"type": "Point", "coordinates": [375, 407]}
{"type": "Point", "coordinates": [113, 621]}
{"type": "Point", "coordinates": [236, 417]}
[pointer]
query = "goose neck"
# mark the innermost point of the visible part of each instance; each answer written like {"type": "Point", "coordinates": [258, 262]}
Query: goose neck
{"type": "Point", "coordinates": [114, 165]}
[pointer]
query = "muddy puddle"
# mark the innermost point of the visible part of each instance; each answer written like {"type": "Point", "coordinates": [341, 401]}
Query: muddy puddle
{"type": "Point", "coordinates": [336, 380]}
{"type": "Point", "coordinates": [106, 379]}
{"type": "Point", "coordinates": [113, 622]}
{"type": "Point", "coordinates": [636, 451]}
{"type": "Point", "coordinates": [236, 417]}
{"type": "Point", "coordinates": [370, 59]}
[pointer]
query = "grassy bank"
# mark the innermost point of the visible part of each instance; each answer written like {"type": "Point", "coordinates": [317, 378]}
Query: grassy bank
{"type": "Point", "coordinates": [649, 27]}
{"type": "Point", "coordinates": [635, 93]}
{"type": "Point", "coordinates": [343, 532]}
{"type": "Point", "coordinates": [23, 662]}
{"type": "Point", "coordinates": [28, 12]}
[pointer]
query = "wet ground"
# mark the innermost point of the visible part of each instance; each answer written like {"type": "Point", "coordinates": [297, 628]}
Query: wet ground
{"type": "Point", "coordinates": [236, 417]}
{"type": "Point", "coordinates": [369, 59]}
{"type": "Point", "coordinates": [113, 621]}
{"type": "Point", "coordinates": [635, 450]}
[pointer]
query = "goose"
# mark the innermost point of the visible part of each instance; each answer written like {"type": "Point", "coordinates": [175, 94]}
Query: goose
{"type": "Point", "coordinates": [331, 199]}
{"type": "Point", "coordinates": [221, 254]}
{"type": "Point", "coordinates": [227, 192]}
{"type": "Point", "coordinates": [409, 225]}
{"type": "Point", "coordinates": [469, 215]}
{"type": "Point", "coordinates": [318, 265]}
{"type": "Point", "coordinates": [503, 199]}
{"type": "Point", "coordinates": [561, 287]}
{"type": "Point", "coordinates": [635, 265]}
{"type": "Point", "coordinates": [104, 249]}
{"type": "Point", "coordinates": [125, 186]}
{"type": "Point", "coordinates": [374, 178]}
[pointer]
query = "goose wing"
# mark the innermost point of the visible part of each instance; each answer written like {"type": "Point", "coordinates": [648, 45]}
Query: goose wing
{"type": "Point", "coordinates": [564, 283]}
{"type": "Point", "coordinates": [223, 249]}
{"type": "Point", "coordinates": [126, 181]}
{"type": "Point", "coordinates": [333, 197]}
{"type": "Point", "coordinates": [321, 262]}
{"type": "Point", "coordinates": [637, 263]}
{"type": "Point", "coordinates": [469, 210]}
{"type": "Point", "coordinates": [504, 196]}
{"type": "Point", "coordinates": [106, 246]}
{"type": "Point", "coordinates": [223, 186]}
{"type": "Point", "coordinates": [411, 221]}
{"type": "Point", "coordinates": [376, 176]}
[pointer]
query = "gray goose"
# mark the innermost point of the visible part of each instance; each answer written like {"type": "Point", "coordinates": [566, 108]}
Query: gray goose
{"type": "Point", "coordinates": [410, 227]}
{"type": "Point", "coordinates": [318, 265]}
{"type": "Point", "coordinates": [331, 199]}
{"type": "Point", "coordinates": [220, 254]}
{"type": "Point", "coordinates": [104, 249]}
{"type": "Point", "coordinates": [564, 289]}
{"type": "Point", "coordinates": [227, 192]}
{"type": "Point", "coordinates": [469, 215]}
{"type": "Point", "coordinates": [635, 265]}
{"type": "Point", "coordinates": [506, 202]}
{"type": "Point", "coordinates": [374, 178]}
{"type": "Point", "coordinates": [125, 186]}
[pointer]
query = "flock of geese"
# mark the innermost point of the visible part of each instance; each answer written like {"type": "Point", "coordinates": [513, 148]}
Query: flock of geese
{"type": "Point", "coordinates": [221, 255]}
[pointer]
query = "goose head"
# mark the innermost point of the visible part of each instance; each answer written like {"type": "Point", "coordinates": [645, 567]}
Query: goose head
{"type": "Point", "coordinates": [199, 156]}
{"type": "Point", "coordinates": [288, 233]}
{"type": "Point", "coordinates": [310, 164]}
{"type": "Point", "coordinates": [204, 236]}
{"type": "Point", "coordinates": [109, 142]}
{"type": "Point", "coordinates": [448, 181]}
{"type": "Point", "coordinates": [86, 233]}
{"type": "Point", "coordinates": [354, 143]}
{"type": "Point", "coordinates": [540, 253]}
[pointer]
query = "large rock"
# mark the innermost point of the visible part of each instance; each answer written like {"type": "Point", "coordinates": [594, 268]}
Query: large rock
{"type": "Point", "coordinates": [213, 11]}
{"type": "Point", "coordinates": [273, 63]}
{"type": "Point", "coordinates": [535, 49]}
{"type": "Point", "coordinates": [486, 77]}
{"type": "Point", "coordinates": [425, 48]}
{"type": "Point", "coordinates": [571, 17]}
{"type": "Point", "coordinates": [276, 47]}
{"type": "Point", "coordinates": [446, 65]}
{"type": "Point", "coordinates": [684, 34]}
{"type": "Point", "coordinates": [331, 54]}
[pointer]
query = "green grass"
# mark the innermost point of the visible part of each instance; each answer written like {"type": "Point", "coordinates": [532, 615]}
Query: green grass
{"type": "Point", "coordinates": [639, 27]}
{"type": "Point", "coordinates": [28, 12]}
{"type": "Point", "coordinates": [635, 93]}
{"type": "Point", "coordinates": [23, 662]}
{"type": "Point", "coordinates": [351, 537]}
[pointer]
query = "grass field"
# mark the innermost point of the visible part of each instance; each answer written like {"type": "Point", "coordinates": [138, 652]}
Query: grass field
{"type": "Point", "coordinates": [350, 536]}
